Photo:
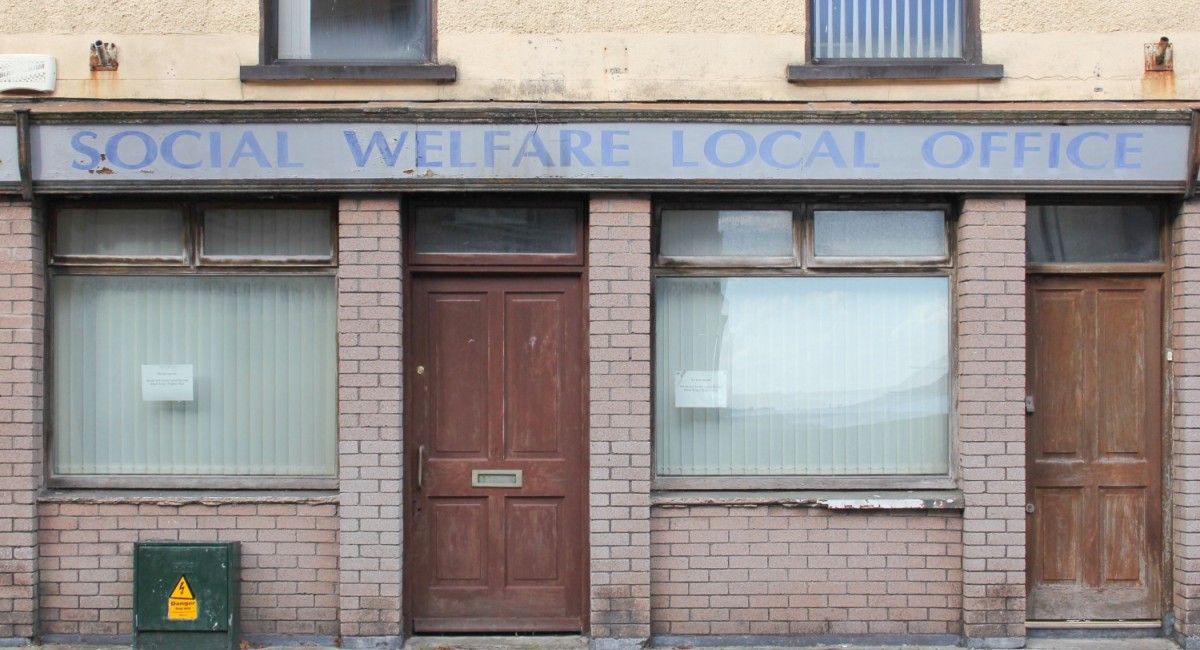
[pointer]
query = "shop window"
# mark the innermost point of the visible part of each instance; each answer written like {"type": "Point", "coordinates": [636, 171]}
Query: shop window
{"type": "Point", "coordinates": [355, 39]}
{"type": "Point", "coordinates": [873, 39]}
{"type": "Point", "coordinates": [804, 343]}
{"type": "Point", "coordinates": [192, 345]}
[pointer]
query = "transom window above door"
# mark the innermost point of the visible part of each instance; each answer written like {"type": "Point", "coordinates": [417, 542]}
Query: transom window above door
{"type": "Point", "coordinates": [496, 231]}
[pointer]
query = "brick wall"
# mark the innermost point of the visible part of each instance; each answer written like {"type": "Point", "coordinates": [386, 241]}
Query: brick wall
{"type": "Point", "coordinates": [289, 559]}
{"type": "Point", "coordinates": [1185, 383]}
{"type": "Point", "coordinates": [991, 418]}
{"type": "Point", "coordinates": [369, 424]}
{"type": "Point", "coordinates": [619, 303]}
{"type": "Point", "coordinates": [771, 570]}
{"type": "Point", "coordinates": [21, 353]}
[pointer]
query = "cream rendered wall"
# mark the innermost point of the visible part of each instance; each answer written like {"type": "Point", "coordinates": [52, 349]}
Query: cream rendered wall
{"type": "Point", "coordinates": [635, 50]}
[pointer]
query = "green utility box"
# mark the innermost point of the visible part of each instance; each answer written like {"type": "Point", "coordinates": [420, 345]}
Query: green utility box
{"type": "Point", "coordinates": [185, 595]}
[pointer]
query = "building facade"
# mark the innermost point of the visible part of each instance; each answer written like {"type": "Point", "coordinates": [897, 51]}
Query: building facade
{"type": "Point", "coordinates": [854, 320]}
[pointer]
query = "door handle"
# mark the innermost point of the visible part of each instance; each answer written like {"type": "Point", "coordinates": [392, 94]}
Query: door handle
{"type": "Point", "coordinates": [420, 466]}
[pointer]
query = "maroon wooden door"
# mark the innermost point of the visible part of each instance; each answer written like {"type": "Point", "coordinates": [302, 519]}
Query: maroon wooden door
{"type": "Point", "coordinates": [496, 463]}
{"type": "Point", "coordinates": [1094, 448]}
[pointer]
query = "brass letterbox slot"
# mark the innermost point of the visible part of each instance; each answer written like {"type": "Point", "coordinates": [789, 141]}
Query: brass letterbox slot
{"type": "Point", "coordinates": [497, 478]}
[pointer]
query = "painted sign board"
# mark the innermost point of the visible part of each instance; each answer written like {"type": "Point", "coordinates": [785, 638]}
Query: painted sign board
{"type": "Point", "coordinates": [618, 151]}
{"type": "Point", "coordinates": [10, 171]}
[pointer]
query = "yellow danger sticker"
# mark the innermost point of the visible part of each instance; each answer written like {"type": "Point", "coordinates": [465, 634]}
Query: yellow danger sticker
{"type": "Point", "coordinates": [181, 605]}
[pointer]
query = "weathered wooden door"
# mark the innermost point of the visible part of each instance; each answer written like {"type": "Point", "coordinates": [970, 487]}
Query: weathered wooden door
{"type": "Point", "coordinates": [496, 454]}
{"type": "Point", "coordinates": [1094, 466]}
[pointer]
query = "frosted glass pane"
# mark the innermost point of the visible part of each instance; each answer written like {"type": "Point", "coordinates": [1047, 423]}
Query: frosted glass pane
{"type": "Point", "coordinates": [802, 376]}
{"type": "Point", "coordinates": [505, 231]}
{"type": "Point", "coordinates": [119, 232]}
{"type": "Point", "coordinates": [354, 30]}
{"type": "Point", "coordinates": [727, 233]}
{"type": "Point", "coordinates": [267, 233]}
{"type": "Point", "coordinates": [263, 359]}
{"type": "Point", "coordinates": [1092, 234]}
{"type": "Point", "coordinates": [879, 233]}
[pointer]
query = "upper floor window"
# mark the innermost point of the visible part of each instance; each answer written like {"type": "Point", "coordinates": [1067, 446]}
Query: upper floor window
{"type": "Point", "coordinates": [887, 29]}
{"type": "Point", "coordinates": [347, 39]}
{"type": "Point", "coordinates": [352, 30]}
{"type": "Point", "coordinates": [893, 39]}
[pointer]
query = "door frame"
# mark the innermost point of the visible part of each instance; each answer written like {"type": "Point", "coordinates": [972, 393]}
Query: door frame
{"type": "Point", "coordinates": [492, 266]}
{"type": "Point", "coordinates": [1168, 210]}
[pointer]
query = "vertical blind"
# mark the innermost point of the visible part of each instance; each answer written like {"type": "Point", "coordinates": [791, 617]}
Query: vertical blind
{"type": "Point", "coordinates": [802, 375]}
{"type": "Point", "coordinates": [263, 356]}
{"type": "Point", "coordinates": [887, 29]}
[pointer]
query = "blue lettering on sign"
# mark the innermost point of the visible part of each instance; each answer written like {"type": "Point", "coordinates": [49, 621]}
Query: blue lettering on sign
{"type": "Point", "coordinates": [1073, 150]}
{"type": "Point", "coordinates": [766, 149]}
{"type": "Point", "coordinates": [826, 147]}
{"type": "Point", "coordinates": [966, 149]}
{"type": "Point", "coordinates": [456, 151]}
{"type": "Point", "coordinates": [860, 152]}
{"type": "Point", "coordinates": [569, 147]}
{"type": "Point", "coordinates": [677, 151]}
{"type": "Point", "coordinates": [248, 147]}
{"type": "Point", "coordinates": [533, 147]}
{"type": "Point", "coordinates": [714, 140]}
{"type": "Point", "coordinates": [281, 151]}
{"type": "Point", "coordinates": [168, 149]}
{"type": "Point", "coordinates": [149, 149]}
{"type": "Point", "coordinates": [377, 142]}
{"type": "Point", "coordinates": [609, 146]}
{"type": "Point", "coordinates": [970, 150]}
{"type": "Point", "coordinates": [424, 146]}
{"type": "Point", "coordinates": [1125, 148]}
{"type": "Point", "coordinates": [93, 156]}
{"type": "Point", "coordinates": [490, 146]}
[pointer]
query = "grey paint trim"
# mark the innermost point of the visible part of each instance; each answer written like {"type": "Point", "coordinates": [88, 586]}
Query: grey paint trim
{"type": "Point", "coordinates": [350, 71]}
{"type": "Point", "coordinates": [15, 642]}
{"type": "Point", "coordinates": [322, 640]}
{"type": "Point", "coordinates": [537, 113]}
{"type": "Point", "coordinates": [579, 185]}
{"type": "Point", "coordinates": [820, 72]}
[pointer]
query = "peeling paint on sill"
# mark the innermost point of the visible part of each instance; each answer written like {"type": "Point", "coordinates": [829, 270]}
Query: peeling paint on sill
{"type": "Point", "coordinates": [894, 500]}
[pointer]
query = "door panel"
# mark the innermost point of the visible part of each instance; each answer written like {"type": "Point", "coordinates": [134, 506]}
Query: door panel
{"type": "Point", "coordinates": [1094, 467]}
{"type": "Point", "coordinates": [496, 368]}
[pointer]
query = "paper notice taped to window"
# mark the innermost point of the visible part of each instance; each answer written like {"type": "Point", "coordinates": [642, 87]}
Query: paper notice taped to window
{"type": "Point", "coordinates": [168, 383]}
{"type": "Point", "coordinates": [701, 389]}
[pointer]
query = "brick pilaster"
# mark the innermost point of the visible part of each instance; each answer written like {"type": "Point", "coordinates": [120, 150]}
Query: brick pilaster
{"type": "Point", "coordinates": [22, 286]}
{"type": "Point", "coordinates": [369, 424]}
{"type": "Point", "coordinates": [1185, 383]}
{"type": "Point", "coordinates": [991, 418]}
{"type": "Point", "coordinates": [619, 305]}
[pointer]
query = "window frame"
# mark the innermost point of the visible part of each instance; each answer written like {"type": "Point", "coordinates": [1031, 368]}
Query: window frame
{"type": "Point", "coordinates": [273, 68]}
{"type": "Point", "coordinates": [969, 66]}
{"type": "Point", "coordinates": [191, 266]}
{"type": "Point", "coordinates": [803, 210]}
